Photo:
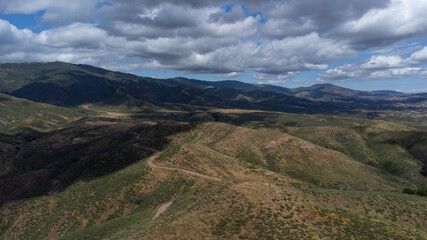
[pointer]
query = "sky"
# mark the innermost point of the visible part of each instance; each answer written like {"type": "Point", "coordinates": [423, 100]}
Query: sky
{"type": "Point", "coordinates": [359, 44]}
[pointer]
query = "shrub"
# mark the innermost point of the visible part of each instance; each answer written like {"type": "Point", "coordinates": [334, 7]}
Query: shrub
{"type": "Point", "coordinates": [422, 191]}
{"type": "Point", "coordinates": [419, 191]}
{"type": "Point", "coordinates": [409, 191]}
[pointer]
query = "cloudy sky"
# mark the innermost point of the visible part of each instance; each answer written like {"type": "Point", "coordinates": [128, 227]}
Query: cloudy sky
{"type": "Point", "coordinates": [361, 44]}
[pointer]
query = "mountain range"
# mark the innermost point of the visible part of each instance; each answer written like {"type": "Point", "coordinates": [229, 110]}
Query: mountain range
{"type": "Point", "coordinates": [88, 153]}
{"type": "Point", "coordinates": [65, 84]}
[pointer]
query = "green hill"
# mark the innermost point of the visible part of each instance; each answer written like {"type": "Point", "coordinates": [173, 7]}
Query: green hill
{"type": "Point", "coordinates": [274, 185]}
{"type": "Point", "coordinates": [17, 113]}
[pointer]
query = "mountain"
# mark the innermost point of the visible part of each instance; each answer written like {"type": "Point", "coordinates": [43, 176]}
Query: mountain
{"type": "Point", "coordinates": [88, 153]}
{"type": "Point", "coordinates": [71, 85]}
{"type": "Point", "coordinates": [75, 85]}
{"type": "Point", "coordinates": [326, 91]}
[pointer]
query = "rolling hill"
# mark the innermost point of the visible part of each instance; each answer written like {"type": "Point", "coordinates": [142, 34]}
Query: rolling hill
{"type": "Point", "coordinates": [273, 185]}
{"type": "Point", "coordinates": [88, 153]}
{"type": "Point", "coordinates": [17, 113]}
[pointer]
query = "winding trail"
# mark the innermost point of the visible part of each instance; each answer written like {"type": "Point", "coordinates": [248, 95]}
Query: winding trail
{"type": "Point", "coordinates": [152, 164]}
{"type": "Point", "coordinates": [165, 206]}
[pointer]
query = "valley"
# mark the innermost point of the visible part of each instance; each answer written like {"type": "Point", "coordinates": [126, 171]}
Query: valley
{"type": "Point", "coordinates": [88, 153]}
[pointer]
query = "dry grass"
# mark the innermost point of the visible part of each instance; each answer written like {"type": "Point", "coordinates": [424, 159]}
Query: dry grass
{"type": "Point", "coordinates": [275, 186]}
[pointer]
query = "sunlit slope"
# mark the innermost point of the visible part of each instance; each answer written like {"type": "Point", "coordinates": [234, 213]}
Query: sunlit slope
{"type": "Point", "coordinates": [218, 149]}
{"type": "Point", "coordinates": [274, 186]}
{"type": "Point", "coordinates": [394, 148]}
{"type": "Point", "coordinates": [131, 195]}
{"type": "Point", "coordinates": [17, 113]}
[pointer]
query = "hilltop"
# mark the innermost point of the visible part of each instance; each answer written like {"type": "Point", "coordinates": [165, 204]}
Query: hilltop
{"type": "Point", "coordinates": [273, 184]}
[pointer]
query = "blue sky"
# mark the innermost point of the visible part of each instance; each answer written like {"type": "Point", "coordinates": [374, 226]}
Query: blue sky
{"type": "Point", "coordinates": [364, 44]}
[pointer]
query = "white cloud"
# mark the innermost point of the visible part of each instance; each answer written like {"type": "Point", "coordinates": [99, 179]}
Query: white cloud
{"type": "Point", "coordinates": [420, 56]}
{"type": "Point", "coordinates": [399, 20]}
{"type": "Point", "coordinates": [261, 76]}
{"type": "Point", "coordinates": [230, 75]}
{"type": "Point", "coordinates": [288, 75]}
{"type": "Point", "coordinates": [381, 67]}
{"type": "Point", "coordinates": [382, 62]}
{"type": "Point", "coordinates": [13, 40]}
{"type": "Point", "coordinates": [75, 35]}
{"type": "Point", "coordinates": [11, 34]}
{"type": "Point", "coordinates": [276, 82]}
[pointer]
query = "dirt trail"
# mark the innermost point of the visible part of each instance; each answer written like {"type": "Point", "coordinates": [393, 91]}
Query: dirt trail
{"type": "Point", "coordinates": [162, 209]}
{"type": "Point", "coordinates": [165, 206]}
{"type": "Point", "coordinates": [151, 159]}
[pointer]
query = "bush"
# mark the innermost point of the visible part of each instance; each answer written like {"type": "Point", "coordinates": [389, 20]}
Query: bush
{"type": "Point", "coordinates": [419, 191]}
{"type": "Point", "coordinates": [409, 191]}
{"type": "Point", "coordinates": [422, 191]}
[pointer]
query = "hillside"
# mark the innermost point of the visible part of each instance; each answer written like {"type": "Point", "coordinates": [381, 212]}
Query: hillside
{"type": "Point", "coordinates": [17, 113]}
{"type": "Point", "coordinates": [88, 153]}
{"type": "Point", "coordinates": [283, 187]}
{"type": "Point", "coordinates": [70, 85]}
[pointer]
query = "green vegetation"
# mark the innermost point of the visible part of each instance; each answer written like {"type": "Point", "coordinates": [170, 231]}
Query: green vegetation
{"type": "Point", "coordinates": [17, 114]}
{"type": "Point", "coordinates": [352, 166]}
{"type": "Point", "coordinates": [420, 191]}
{"type": "Point", "coordinates": [275, 185]}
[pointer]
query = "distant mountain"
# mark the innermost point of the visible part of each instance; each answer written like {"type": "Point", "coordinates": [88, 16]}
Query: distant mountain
{"type": "Point", "coordinates": [226, 84]}
{"type": "Point", "coordinates": [64, 84]}
{"type": "Point", "coordinates": [72, 85]}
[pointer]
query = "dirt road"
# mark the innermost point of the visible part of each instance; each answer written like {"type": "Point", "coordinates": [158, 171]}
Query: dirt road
{"type": "Point", "coordinates": [151, 159]}
{"type": "Point", "coordinates": [165, 206]}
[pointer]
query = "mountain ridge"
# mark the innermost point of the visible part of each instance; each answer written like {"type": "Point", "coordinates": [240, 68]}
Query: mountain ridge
{"type": "Point", "coordinates": [66, 84]}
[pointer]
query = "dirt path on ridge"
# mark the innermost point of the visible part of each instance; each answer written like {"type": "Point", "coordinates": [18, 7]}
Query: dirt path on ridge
{"type": "Point", "coordinates": [151, 159]}
{"type": "Point", "coordinates": [165, 206]}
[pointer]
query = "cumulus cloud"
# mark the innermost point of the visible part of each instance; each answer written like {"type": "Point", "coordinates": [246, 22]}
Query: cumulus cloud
{"type": "Point", "coordinates": [13, 39]}
{"type": "Point", "coordinates": [276, 82]}
{"type": "Point", "coordinates": [11, 34]}
{"type": "Point", "coordinates": [382, 67]}
{"type": "Point", "coordinates": [261, 76]}
{"type": "Point", "coordinates": [230, 75]}
{"type": "Point", "coordinates": [76, 35]}
{"type": "Point", "coordinates": [300, 17]}
{"type": "Point", "coordinates": [420, 56]}
{"type": "Point", "coordinates": [400, 19]}
{"type": "Point", "coordinates": [288, 75]}
{"type": "Point", "coordinates": [363, 24]}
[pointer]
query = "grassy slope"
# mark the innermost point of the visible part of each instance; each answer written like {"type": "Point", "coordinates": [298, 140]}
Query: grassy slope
{"type": "Point", "coordinates": [17, 113]}
{"type": "Point", "coordinates": [16, 75]}
{"type": "Point", "coordinates": [278, 152]}
{"type": "Point", "coordinates": [370, 144]}
{"type": "Point", "coordinates": [131, 194]}
{"type": "Point", "coordinates": [258, 198]}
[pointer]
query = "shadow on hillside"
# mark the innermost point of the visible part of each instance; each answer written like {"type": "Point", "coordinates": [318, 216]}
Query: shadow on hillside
{"type": "Point", "coordinates": [37, 164]}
